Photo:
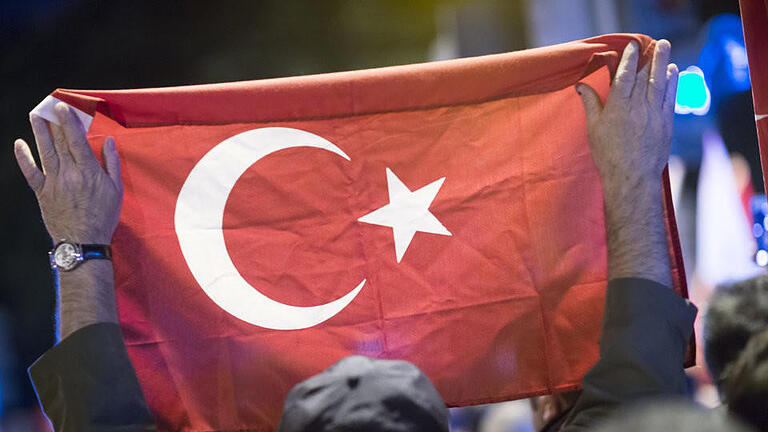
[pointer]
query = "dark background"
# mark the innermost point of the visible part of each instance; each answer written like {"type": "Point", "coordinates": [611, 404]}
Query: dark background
{"type": "Point", "coordinates": [46, 44]}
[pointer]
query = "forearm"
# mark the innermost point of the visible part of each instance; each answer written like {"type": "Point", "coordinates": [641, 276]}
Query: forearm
{"type": "Point", "coordinates": [86, 296]}
{"type": "Point", "coordinates": [87, 383]}
{"type": "Point", "coordinates": [642, 348]}
{"type": "Point", "coordinates": [635, 230]}
{"type": "Point", "coordinates": [646, 325]}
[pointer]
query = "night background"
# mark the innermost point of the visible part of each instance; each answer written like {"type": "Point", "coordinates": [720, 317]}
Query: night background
{"type": "Point", "coordinates": [83, 44]}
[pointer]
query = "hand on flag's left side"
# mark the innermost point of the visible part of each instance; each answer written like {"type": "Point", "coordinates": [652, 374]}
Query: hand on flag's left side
{"type": "Point", "coordinates": [79, 200]}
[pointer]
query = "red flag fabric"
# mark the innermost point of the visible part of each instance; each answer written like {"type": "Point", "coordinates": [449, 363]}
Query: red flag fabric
{"type": "Point", "coordinates": [448, 214]}
{"type": "Point", "coordinates": [754, 19]}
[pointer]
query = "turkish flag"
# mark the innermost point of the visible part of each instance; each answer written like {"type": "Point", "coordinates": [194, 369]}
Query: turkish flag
{"type": "Point", "coordinates": [754, 19]}
{"type": "Point", "coordinates": [448, 214]}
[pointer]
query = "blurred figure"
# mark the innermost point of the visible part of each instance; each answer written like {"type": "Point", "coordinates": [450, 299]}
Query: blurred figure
{"type": "Point", "coordinates": [8, 386]}
{"type": "Point", "coordinates": [550, 411]}
{"type": "Point", "coordinates": [467, 419]}
{"type": "Point", "coordinates": [736, 348]}
{"type": "Point", "coordinates": [663, 416]}
{"type": "Point", "coordinates": [512, 416]}
{"type": "Point", "coordinates": [725, 245]}
{"type": "Point", "coordinates": [746, 382]}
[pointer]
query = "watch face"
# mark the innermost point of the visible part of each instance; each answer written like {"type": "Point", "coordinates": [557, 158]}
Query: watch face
{"type": "Point", "coordinates": [65, 256]}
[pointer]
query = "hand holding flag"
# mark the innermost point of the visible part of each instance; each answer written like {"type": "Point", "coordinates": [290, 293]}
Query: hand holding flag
{"type": "Point", "coordinates": [630, 140]}
{"type": "Point", "coordinates": [79, 200]}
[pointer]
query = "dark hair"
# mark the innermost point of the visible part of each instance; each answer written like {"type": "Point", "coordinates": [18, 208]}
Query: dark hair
{"type": "Point", "coordinates": [746, 382]}
{"type": "Point", "coordinates": [736, 312]}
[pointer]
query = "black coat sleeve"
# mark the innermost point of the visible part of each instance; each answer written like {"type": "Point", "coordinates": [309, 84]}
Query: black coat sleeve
{"type": "Point", "coordinates": [87, 383]}
{"type": "Point", "coordinates": [646, 329]}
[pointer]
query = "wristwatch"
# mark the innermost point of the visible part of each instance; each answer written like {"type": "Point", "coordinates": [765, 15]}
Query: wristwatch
{"type": "Point", "coordinates": [67, 255]}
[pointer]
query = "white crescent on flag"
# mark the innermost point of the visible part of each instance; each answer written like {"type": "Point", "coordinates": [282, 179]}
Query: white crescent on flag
{"type": "Point", "coordinates": [198, 222]}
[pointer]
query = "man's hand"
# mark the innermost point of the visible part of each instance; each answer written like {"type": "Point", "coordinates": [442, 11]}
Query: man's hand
{"type": "Point", "coordinates": [630, 140]}
{"type": "Point", "coordinates": [646, 327]}
{"type": "Point", "coordinates": [80, 202]}
{"type": "Point", "coordinates": [630, 137]}
{"type": "Point", "coordinates": [78, 199]}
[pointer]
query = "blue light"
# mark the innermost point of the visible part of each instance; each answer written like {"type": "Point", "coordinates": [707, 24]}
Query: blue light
{"type": "Point", "coordinates": [759, 206]}
{"type": "Point", "coordinates": [693, 96]}
{"type": "Point", "coordinates": [739, 70]}
{"type": "Point", "coordinates": [723, 57]}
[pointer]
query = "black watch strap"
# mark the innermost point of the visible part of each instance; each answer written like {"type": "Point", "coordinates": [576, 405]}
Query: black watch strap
{"type": "Point", "coordinates": [95, 251]}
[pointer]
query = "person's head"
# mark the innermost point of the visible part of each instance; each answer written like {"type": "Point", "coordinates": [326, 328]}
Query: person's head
{"type": "Point", "coordinates": [669, 415]}
{"type": "Point", "coordinates": [745, 387]}
{"type": "Point", "coordinates": [548, 408]}
{"type": "Point", "coordinates": [736, 312]}
{"type": "Point", "coordinates": [736, 348]}
{"type": "Point", "coordinates": [359, 393]}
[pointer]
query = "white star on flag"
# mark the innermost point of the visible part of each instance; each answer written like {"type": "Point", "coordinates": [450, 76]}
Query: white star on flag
{"type": "Point", "coordinates": [407, 212]}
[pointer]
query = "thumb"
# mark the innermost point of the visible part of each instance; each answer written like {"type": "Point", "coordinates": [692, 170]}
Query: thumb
{"type": "Point", "coordinates": [26, 162]}
{"type": "Point", "coordinates": [593, 106]}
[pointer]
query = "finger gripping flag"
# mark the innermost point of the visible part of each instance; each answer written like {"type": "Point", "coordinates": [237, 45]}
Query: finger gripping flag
{"type": "Point", "coordinates": [448, 214]}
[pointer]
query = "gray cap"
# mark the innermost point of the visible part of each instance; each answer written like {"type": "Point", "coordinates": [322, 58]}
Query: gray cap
{"type": "Point", "coordinates": [362, 394]}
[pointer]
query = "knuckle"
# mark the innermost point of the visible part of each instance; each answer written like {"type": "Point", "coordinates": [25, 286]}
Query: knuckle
{"type": "Point", "coordinates": [48, 155]}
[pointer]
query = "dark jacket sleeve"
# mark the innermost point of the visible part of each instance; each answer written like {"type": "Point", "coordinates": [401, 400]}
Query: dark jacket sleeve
{"type": "Point", "coordinates": [646, 329]}
{"type": "Point", "coordinates": [87, 383]}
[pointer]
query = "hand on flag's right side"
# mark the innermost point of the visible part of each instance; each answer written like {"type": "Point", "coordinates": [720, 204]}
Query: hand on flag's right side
{"type": "Point", "coordinates": [630, 139]}
{"type": "Point", "coordinates": [630, 136]}
{"type": "Point", "coordinates": [79, 200]}
{"type": "Point", "coordinates": [646, 327]}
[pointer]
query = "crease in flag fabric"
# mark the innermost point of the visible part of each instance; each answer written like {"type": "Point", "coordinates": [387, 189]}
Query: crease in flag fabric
{"type": "Point", "coordinates": [448, 214]}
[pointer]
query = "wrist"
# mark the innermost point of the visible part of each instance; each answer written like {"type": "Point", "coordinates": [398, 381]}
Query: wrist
{"type": "Point", "coordinates": [86, 295]}
{"type": "Point", "coordinates": [636, 233]}
{"type": "Point", "coordinates": [632, 195]}
{"type": "Point", "coordinates": [86, 280]}
{"type": "Point", "coordinates": [87, 270]}
{"type": "Point", "coordinates": [81, 238]}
